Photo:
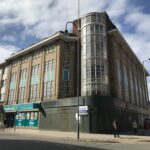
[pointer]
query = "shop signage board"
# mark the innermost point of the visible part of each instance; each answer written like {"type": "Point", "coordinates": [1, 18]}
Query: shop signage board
{"type": "Point", "coordinates": [21, 107]}
{"type": "Point", "coordinates": [10, 108]}
{"type": "Point", "coordinates": [83, 110]}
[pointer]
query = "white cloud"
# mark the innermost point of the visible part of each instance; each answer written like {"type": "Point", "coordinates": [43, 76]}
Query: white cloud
{"type": "Point", "coordinates": [140, 21]}
{"type": "Point", "coordinates": [139, 45]}
{"type": "Point", "coordinates": [117, 7]}
{"type": "Point", "coordinates": [6, 51]}
{"type": "Point", "coordinates": [45, 17]}
{"type": "Point", "coordinates": [8, 38]}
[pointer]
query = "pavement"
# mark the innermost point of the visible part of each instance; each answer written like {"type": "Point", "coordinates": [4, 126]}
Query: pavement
{"type": "Point", "coordinates": [47, 135]}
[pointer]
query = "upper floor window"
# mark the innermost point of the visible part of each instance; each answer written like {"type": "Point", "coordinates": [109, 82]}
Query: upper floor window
{"type": "Point", "coordinates": [3, 83]}
{"type": "Point", "coordinates": [50, 48]}
{"type": "Point", "coordinates": [36, 54]}
{"type": "Point", "coordinates": [25, 59]}
{"type": "Point", "coordinates": [5, 70]}
{"type": "Point", "coordinates": [13, 76]}
{"type": "Point", "coordinates": [14, 63]}
{"type": "Point", "coordinates": [99, 18]}
{"type": "Point", "coordinates": [35, 75]}
{"type": "Point", "coordinates": [93, 18]}
{"type": "Point", "coordinates": [35, 69]}
{"type": "Point", "coordinates": [65, 75]}
{"type": "Point", "coordinates": [66, 63]}
{"type": "Point", "coordinates": [49, 70]}
{"type": "Point", "coordinates": [13, 81]}
{"type": "Point", "coordinates": [24, 73]}
{"type": "Point", "coordinates": [2, 97]}
{"type": "Point", "coordinates": [66, 47]}
{"type": "Point", "coordinates": [23, 77]}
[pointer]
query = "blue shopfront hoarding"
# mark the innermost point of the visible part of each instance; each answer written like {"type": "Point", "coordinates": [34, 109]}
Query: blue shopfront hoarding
{"type": "Point", "coordinates": [26, 114]}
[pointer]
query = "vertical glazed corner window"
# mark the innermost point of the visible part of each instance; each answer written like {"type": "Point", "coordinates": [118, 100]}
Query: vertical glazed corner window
{"type": "Point", "coordinates": [65, 75]}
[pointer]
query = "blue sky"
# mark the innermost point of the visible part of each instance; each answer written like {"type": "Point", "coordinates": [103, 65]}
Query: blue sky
{"type": "Point", "coordinates": [25, 22]}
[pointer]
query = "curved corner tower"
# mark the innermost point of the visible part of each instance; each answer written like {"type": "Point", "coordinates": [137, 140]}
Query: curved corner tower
{"type": "Point", "coordinates": [94, 70]}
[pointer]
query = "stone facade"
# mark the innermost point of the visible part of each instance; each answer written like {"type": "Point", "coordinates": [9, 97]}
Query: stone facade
{"type": "Point", "coordinates": [40, 84]}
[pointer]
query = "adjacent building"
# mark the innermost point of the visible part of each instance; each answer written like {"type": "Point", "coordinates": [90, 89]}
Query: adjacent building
{"type": "Point", "coordinates": [42, 84]}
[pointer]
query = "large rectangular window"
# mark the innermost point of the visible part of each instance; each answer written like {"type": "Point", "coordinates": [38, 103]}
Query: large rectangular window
{"type": "Point", "coordinates": [49, 76]}
{"type": "Point", "coordinates": [35, 79]}
{"type": "Point", "coordinates": [11, 96]}
{"type": "Point", "coordinates": [34, 92]}
{"type": "Point", "coordinates": [12, 88]}
{"type": "Point", "coordinates": [22, 85]}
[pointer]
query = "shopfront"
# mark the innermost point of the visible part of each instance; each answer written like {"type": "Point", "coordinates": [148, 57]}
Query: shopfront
{"type": "Point", "coordinates": [22, 115]}
{"type": "Point", "coordinates": [27, 119]}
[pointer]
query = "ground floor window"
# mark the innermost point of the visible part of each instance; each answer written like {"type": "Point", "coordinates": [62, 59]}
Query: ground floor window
{"type": "Point", "coordinates": [27, 119]}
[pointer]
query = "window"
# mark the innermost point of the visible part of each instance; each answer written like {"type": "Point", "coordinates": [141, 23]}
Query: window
{"type": "Point", "coordinates": [6, 70]}
{"type": "Point", "coordinates": [34, 94]}
{"type": "Point", "coordinates": [49, 79]}
{"type": "Point", "coordinates": [13, 81]}
{"type": "Point", "coordinates": [50, 48]}
{"type": "Point", "coordinates": [49, 70]}
{"type": "Point", "coordinates": [22, 86]}
{"type": "Point", "coordinates": [83, 21]}
{"type": "Point", "coordinates": [36, 70]}
{"type": "Point", "coordinates": [11, 96]}
{"type": "Point", "coordinates": [93, 18]}
{"type": "Point", "coordinates": [35, 79]}
{"type": "Point", "coordinates": [65, 89]}
{"type": "Point", "coordinates": [24, 74]}
{"type": "Point", "coordinates": [12, 88]}
{"type": "Point", "coordinates": [36, 54]}
{"type": "Point", "coordinates": [2, 97]}
{"type": "Point", "coordinates": [66, 63]}
{"type": "Point", "coordinates": [97, 28]}
{"type": "Point", "coordinates": [3, 83]}
{"type": "Point", "coordinates": [101, 29]}
{"type": "Point", "coordinates": [14, 63]}
{"type": "Point", "coordinates": [88, 19]}
{"type": "Point", "coordinates": [65, 75]}
{"type": "Point", "coordinates": [25, 59]}
{"type": "Point", "coordinates": [22, 94]}
{"type": "Point", "coordinates": [66, 47]}
{"type": "Point", "coordinates": [48, 89]}
{"type": "Point", "coordinates": [98, 18]}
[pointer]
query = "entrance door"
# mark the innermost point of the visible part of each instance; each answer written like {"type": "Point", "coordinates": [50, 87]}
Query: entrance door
{"type": "Point", "coordinates": [9, 120]}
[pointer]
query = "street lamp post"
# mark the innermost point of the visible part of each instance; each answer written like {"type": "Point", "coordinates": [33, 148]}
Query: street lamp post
{"type": "Point", "coordinates": [145, 83]}
{"type": "Point", "coordinates": [78, 71]}
{"type": "Point", "coordinates": [78, 68]}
